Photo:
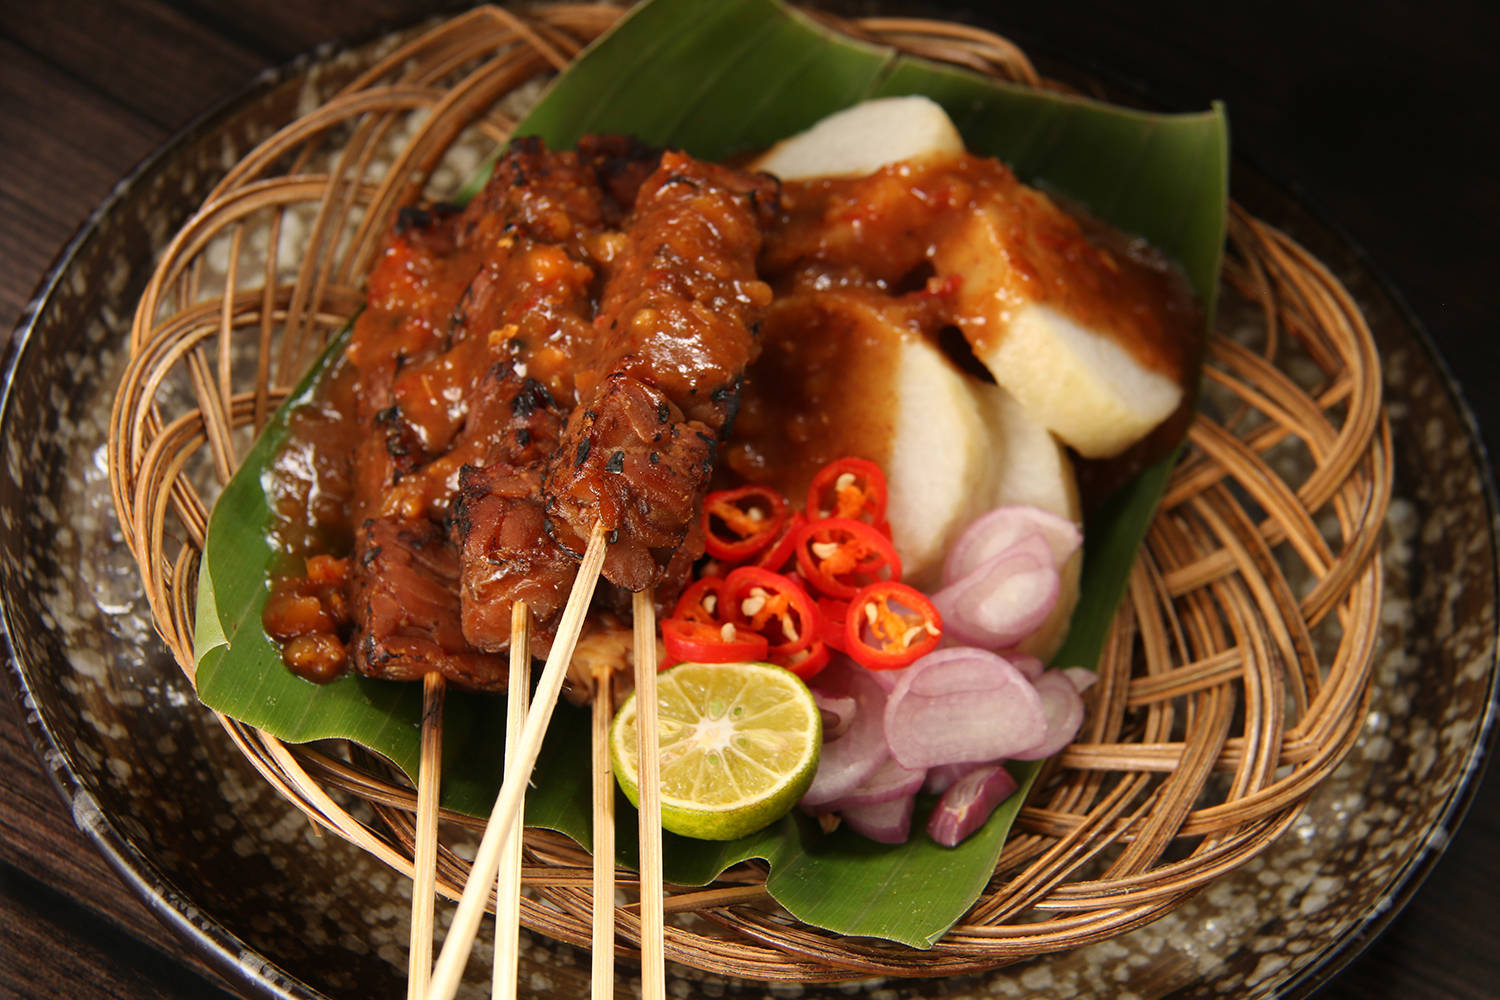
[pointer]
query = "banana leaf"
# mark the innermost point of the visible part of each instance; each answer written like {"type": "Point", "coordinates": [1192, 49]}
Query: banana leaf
{"type": "Point", "coordinates": [720, 79]}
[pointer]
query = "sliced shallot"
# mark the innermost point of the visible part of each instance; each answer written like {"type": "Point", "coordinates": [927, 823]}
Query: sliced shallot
{"type": "Point", "coordinates": [837, 711]}
{"type": "Point", "coordinates": [1031, 668]}
{"type": "Point", "coordinates": [991, 534]}
{"type": "Point", "coordinates": [888, 781]}
{"type": "Point", "coordinates": [941, 778]}
{"type": "Point", "coordinates": [961, 704]}
{"type": "Point", "coordinates": [888, 679]}
{"type": "Point", "coordinates": [968, 803]}
{"type": "Point", "coordinates": [852, 757]}
{"type": "Point", "coordinates": [1005, 599]}
{"type": "Point", "coordinates": [886, 822]}
{"type": "Point", "coordinates": [1064, 714]}
{"type": "Point", "coordinates": [1082, 677]}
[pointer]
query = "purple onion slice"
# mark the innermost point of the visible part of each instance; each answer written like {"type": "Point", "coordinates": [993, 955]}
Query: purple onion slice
{"type": "Point", "coordinates": [941, 778]}
{"type": "Point", "coordinates": [837, 711]}
{"type": "Point", "coordinates": [969, 802]}
{"type": "Point", "coordinates": [991, 534]}
{"type": "Point", "coordinates": [962, 704]}
{"type": "Point", "coordinates": [1004, 600]}
{"type": "Point", "coordinates": [886, 822]}
{"type": "Point", "coordinates": [888, 781]}
{"type": "Point", "coordinates": [1082, 678]}
{"type": "Point", "coordinates": [1063, 707]}
{"type": "Point", "coordinates": [1031, 668]}
{"type": "Point", "coordinates": [854, 756]}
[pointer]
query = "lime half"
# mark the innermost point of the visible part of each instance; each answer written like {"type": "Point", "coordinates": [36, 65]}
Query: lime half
{"type": "Point", "coordinates": [739, 746]}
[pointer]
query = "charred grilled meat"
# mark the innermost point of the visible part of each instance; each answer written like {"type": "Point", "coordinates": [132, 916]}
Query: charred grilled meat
{"type": "Point", "coordinates": [677, 327]}
{"type": "Point", "coordinates": [566, 349]}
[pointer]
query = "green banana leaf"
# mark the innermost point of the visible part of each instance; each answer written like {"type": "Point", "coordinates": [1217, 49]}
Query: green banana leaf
{"type": "Point", "coordinates": [719, 79]}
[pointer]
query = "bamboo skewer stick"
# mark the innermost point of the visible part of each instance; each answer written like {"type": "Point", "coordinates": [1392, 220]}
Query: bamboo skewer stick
{"type": "Point", "coordinates": [508, 882]}
{"type": "Point", "coordinates": [449, 970]}
{"type": "Point", "coordinates": [653, 923]}
{"type": "Point", "coordinates": [603, 982]}
{"type": "Point", "coordinates": [424, 861]}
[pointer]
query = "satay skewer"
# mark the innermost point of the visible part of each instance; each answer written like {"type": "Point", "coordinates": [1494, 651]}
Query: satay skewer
{"type": "Point", "coordinates": [424, 858]}
{"type": "Point", "coordinates": [603, 979]}
{"type": "Point", "coordinates": [506, 814]}
{"type": "Point", "coordinates": [653, 924]}
{"type": "Point", "coordinates": [508, 883]}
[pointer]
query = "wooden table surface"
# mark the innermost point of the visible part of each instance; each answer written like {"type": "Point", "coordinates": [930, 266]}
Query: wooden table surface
{"type": "Point", "coordinates": [1379, 115]}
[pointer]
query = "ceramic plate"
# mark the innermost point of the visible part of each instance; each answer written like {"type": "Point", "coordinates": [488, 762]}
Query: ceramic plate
{"type": "Point", "coordinates": [285, 911]}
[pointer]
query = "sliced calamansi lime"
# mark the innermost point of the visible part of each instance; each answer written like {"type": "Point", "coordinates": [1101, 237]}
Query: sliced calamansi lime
{"type": "Point", "coordinates": [739, 746]}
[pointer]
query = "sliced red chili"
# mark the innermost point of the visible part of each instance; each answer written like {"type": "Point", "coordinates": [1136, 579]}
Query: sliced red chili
{"type": "Point", "coordinates": [838, 556]}
{"type": "Point", "coordinates": [700, 602]}
{"type": "Point", "coordinates": [779, 554]}
{"type": "Point", "coordinates": [891, 625]}
{"type": "Point", "coordinates": [848, 487]}
{"type": "Point", "coordinates": [807, 662]}
{"type": "Point", "coordinates": [832, 613]}
{"type": "Point", "coordinates": [707, 643]}
{"type": "Point", "coordinates": [738, 524]}
{"type": "Point", "coordinates": [773, 605]}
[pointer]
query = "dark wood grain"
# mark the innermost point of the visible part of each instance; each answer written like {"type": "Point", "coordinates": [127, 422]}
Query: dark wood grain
{"type": "Point", "coordinates": [87, 89]}
{"type": "Point", "coordinates": [63, 145]}
{"type": "Point", "coordinates": [1379, 115]}
{"type": "Point", "coordinates": [56, 948]}
{"type": "Point", "coordinates": [64, 915]}
{"type": "Point", "coordinates": [278, 31]}
{"type": "Point", "coordinates": [171, 64]}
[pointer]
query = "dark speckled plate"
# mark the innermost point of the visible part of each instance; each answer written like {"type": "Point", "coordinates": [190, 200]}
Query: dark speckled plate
{"type": "Point", "coordinates": [157, 785]}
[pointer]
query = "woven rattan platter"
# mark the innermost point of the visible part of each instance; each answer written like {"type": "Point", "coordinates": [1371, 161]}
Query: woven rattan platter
{"type": "Point", "coordinates": [1253, 649]}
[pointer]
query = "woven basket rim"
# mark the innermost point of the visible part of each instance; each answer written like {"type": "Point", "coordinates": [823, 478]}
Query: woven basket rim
{"type": "Point", "coordinates": [1356, 478]}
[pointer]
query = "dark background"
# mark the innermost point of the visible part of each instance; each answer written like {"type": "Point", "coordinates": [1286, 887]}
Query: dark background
{"type": "Point", "coordinates": [1378, 115]}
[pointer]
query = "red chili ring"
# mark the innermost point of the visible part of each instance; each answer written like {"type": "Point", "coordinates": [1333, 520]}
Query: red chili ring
{"type": "Point", "coordinates": [808, 662]}
{"type": "Point", "coordinates": [722, 508]}
{"type": "Point", "coordinates": [871, 496]}
{"type": "Point", "coordinates": [893, 653]}
{"type": "Point", "coordinates": [880, 553]}
{"type": "Point", "coordinates": [690, 606]}
{"type": "Point", "coordinates": [701, 643]}
{"type": "Point", "coordinates": [779, 554]}
{"type": "Point", "coordinates": [737, 588]}
{"type": "Point", "coordinates": [832, 613]}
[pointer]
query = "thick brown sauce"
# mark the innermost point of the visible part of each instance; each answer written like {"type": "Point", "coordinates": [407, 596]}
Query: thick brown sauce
{"type": "Point", "coordinates": [308, 480]}
{"type": "Point", "coordinates": [334, 473]}
{"type": "Point", "coordinates": [613, 287]}
{"type": "Point", "coordinates": [1007, 244]}
{"type": "Point", "coordinates": [856, 264]}
{"type": "Point", "coordinates": [823, 386]}
{"type": "Point", "coordinates": [917, 250]}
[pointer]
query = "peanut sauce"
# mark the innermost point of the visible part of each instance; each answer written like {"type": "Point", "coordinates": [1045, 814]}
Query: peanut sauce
{"type": "Point", "coordinates": [561, 353]}
{"type": "Point", "coordinates": [858, 263]}
{"type": "Point", "coordinates": [823, 386]}
{"type": "Point", "coordinates": [508, 281]}
{"type": "Point", "coordinates": [969, 217]}
{"type": "Point", "coordinates": [421, 436]}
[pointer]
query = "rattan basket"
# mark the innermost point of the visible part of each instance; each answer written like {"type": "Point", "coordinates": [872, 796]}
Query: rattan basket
{"type": "Point", "coordinates": [1236, 674]}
